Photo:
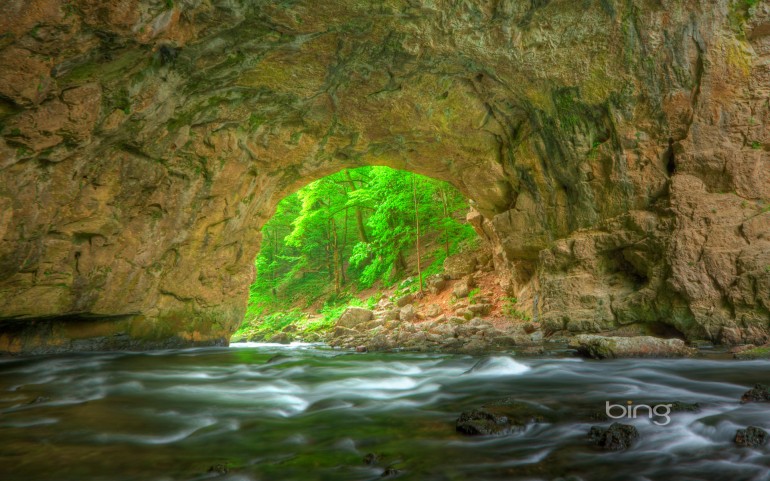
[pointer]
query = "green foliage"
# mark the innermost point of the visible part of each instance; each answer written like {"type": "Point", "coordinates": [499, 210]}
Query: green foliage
{"type": "Point", "coordinates": [350, 231]}
{"type": "Point", "coordinates": [740, 12]}
{"type": "Point", "coordinates": [271, 324]}
{"type": "Point", "coordinates": [472, 295]}
{"type": "Point", "coordinates": [511, 310]}
{"type": "Point", "coordinates": [756, 145]}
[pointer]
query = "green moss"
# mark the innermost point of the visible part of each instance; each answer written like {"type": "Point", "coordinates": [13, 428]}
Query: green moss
{"type": "Point", "coordinates": [117, 69]}
{"type": "Point", "coordinates": [740, 12]}
{"type": "Point", "coordinates": [755, 353]}
{"type": "Point", "coordinates": [255, 121]}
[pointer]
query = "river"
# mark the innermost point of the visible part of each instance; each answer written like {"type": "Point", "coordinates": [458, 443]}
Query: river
{"type": "Point", "coordinates": [306, 412]}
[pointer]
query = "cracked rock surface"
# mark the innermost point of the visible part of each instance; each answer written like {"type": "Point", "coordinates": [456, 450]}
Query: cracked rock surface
{"type": "Point", "coordinates": [616, 153]}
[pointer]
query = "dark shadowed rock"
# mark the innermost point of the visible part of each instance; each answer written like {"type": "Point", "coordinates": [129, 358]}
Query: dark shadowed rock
{"type": "Point", "coordinates": [390, 473]}
{"type": "Point", "coordinates": [501, 417]}
{"type": "Point", "coordinates": [751, 437]}
{"type": "Point", "coordinates": [760, 393]}
{"type": "Point", "coordinates": [219, 469]}
{"type": "Point", "coordinates": [371, 458]}
{"type": "Point", "coordinates": [617, 437]}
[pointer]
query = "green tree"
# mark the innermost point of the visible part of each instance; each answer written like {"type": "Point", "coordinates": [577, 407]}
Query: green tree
{"type": "Point", "coordinates": [351, 230]}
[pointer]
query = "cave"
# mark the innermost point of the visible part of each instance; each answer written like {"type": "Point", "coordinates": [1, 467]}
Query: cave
{"type": "Point", "coordinates": [144, 144]}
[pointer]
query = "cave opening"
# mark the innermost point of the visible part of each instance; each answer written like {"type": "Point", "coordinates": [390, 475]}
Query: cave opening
{"type": "Point", "coordinates": [351, 238]}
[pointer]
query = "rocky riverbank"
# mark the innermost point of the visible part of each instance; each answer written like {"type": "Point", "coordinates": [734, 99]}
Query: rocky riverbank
{"type": "Point", "coordinates": [467, 309]}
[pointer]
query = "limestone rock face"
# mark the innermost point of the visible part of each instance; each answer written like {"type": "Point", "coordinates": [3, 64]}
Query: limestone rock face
{"type": "Point", "coordinates": [617, 154]}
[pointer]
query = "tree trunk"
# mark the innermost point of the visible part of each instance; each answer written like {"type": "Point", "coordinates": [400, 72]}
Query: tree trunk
{"type": "Point", "coordinates": [417, 229]}
{"type": "Point", "coordinates": [444, 204]}
{"type": "Point", "coordinates": [359, 214]}
{"type": "Point", "coordinates": [336, 256]}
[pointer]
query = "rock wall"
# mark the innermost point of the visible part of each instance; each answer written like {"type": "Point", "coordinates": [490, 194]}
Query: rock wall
{"type": "Point", "coordinates": [616, 153]}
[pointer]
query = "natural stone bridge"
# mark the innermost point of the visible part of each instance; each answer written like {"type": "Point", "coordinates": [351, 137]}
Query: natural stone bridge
{"type": "Point", "coordinates": [617, 153]}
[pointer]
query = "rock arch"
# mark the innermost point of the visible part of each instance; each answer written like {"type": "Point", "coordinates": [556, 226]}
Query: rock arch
{"type": "Point", "coordinates": [617, 153]}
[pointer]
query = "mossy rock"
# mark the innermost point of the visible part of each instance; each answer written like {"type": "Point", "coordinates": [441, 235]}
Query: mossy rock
{"type": "Point", "coordinates": [755, 353]}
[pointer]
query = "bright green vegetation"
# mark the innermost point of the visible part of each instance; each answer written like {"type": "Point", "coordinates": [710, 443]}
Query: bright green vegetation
{"type": "Point", "coordinates": [510, 309]}
{"type": "Point", "coordinates": [354, 230]}
{"type": "Point", "coordinates": [762, 352]}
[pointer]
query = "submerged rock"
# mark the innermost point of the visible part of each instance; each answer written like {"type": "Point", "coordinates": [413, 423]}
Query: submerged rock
{"type": "Point", "coordinates": [760, 393]}
{"type": "Point", "coordinates": [39, 399]}
{"type": "Point", "coordinates": [371, 458]}
{"type": "Point", "coordinates": [219, 469]}
{"type": "Point", "coordinates": [390, 473]}
{"type": "Point", "coordinates": [601, 347]}
{"type": "Point", "coordinates": [751, 437]}
{"type": "Point", "coordinates": [500, 418]}
{"type": "Point", "coordinates": [617, 437]}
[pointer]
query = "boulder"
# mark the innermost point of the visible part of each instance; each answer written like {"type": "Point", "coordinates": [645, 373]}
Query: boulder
{"type": "Point", "coordinates": [460, 290]}
{"type": "Point", "coordinates": [219, 469]}
{"type": "Point", "coordinates": [501, 417]}
{"type": "Point", "coordinates": [407, 313]}
{"type": "Point", "coordinates": [466, 314]}
{"type": "Point", "coordinates": [436, 283]}
{"type": "Point", "coordinates": [407, 299]}
{"type": "Point", "coordinates": [340, 331]}
{"type": "Point", "coordinates": [372, 458]}
{"type": "Point", "coordinates": [617, 437]}
{"type": "Point", "coordinates": [480, 309]}
{"type": "Point", "coordinates": [751, 437]}
{"type": "Point", "coordinates": [433, 310]}
{"type": "Point", "coordinates": [600, 347]}
{"type": "Point", "coordinates": [353, 316]}
{"type": "Point", "coordinates": [760, 393]}
{"type": "Point", "coordinates": [280, 338]}
{"type": "Point", "coordinates": [460, 265]}
{"type": "Point", "coordinates": [389, 315]}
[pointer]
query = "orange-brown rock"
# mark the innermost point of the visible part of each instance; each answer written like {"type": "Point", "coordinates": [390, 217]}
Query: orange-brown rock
{"type": "Point", "coordinates": [617, 154]}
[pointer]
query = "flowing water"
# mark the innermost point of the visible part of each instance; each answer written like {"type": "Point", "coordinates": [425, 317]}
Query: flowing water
{"type": "Point", "coordinates": [305, 412]}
